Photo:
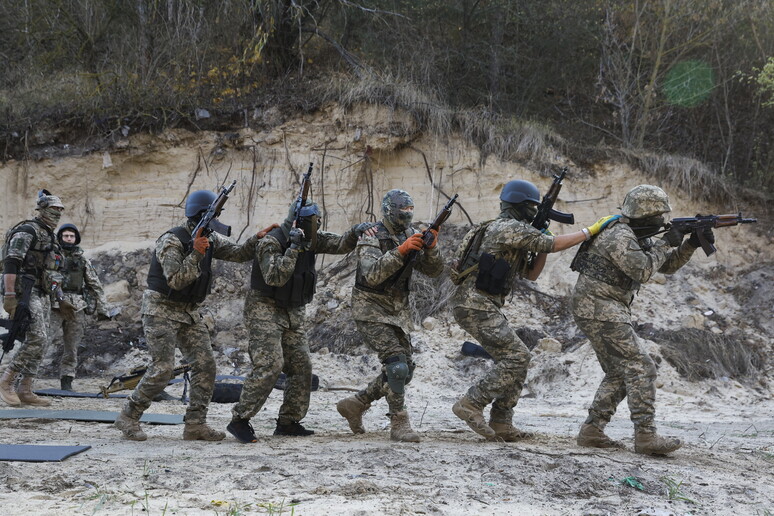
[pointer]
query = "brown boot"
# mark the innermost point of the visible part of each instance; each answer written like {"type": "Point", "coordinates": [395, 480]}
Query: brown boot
{"type": "Point", "coordinates": [650, 443]}
{"type": "Point", "coordinates": [592, 437]}
{"type": "Point", "coordinates": [352, 409]}
{"type": "Point", "coordinates": [509, 433]}
{"type": "Point", "coordinates": [130, 427]}
{"type": "Point", "coordinates": [400, 428]}
{"type": "Point", "coordinates": [201, 432]}
{"type": "Point", "coordinates": [467, 411]}
{"type": "Point", "coordinates": [7, 391]}
{"type": "Point", "coordinates": [27, 397]}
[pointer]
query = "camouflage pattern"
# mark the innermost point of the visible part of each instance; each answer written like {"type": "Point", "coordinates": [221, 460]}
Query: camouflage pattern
{"type": "Point", "coordinates": [376, 267]}
{"type": "Point", "coordinates": [603, 313]}
{"type": "Point", "coordinates": [387, 341]}
{"type": "Point", "coordinates": [163, 335]}
{"type": "Point", "coordinates": [30, 352]}
{"type": "Point", "coordinates": [645, 201]}
{"type": "Point", "coordinates": [69, 333]}
{"type": "Point", "coordinates": [393, 204]}
{"type": "Point", "coordinates": [277, 342]}
{"type": "Point", "coordinates": [20, 244]}
{"type": "Point", "coordinates": [168, 324]}
{"type": "Point", "coordinates": [629, 373]}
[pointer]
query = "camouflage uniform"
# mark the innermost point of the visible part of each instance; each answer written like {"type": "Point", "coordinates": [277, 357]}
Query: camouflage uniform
{"type": "Point", "coordinates": [79, 279]}
{"type": "Point", "coordinates": [479, 313]}
{"type": "Point", "coordinates": [277, 340]}
{"type": "Point", "coordinates": [168, 324]}
{"type": "Point", "coordinates": [601, 304]}
{"type": "Point", "coordinates": [382, 317]}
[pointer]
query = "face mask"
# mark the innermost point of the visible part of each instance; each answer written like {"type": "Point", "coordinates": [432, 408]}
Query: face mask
{"type": "Point", "coordinates": [525, 212]}
{"type": "Point", "coordinates": [50, 216]}
{"type": "Point", "coordinates": [648, 226]}
{"type": "Point", "coordinates": [401, 220]}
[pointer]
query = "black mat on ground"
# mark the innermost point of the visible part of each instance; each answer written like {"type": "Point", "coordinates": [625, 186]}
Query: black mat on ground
{"type": "Point", "coordinates": [100, 416]}
{"type": "Point", "coordinates": [282, 381]}
{"type": "Point", "coordinates": [38, 453]}
{"type": "Point", "coordinates": [72, 394]}
{"type": "Point", "coordinates": [218, 378]}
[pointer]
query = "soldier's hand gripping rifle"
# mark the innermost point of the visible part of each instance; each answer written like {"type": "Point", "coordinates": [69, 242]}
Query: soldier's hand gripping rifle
{"type": "Point", "coordinates": [303, 195]}
{"type": "Point", "coordinates": [18, 325]}
{"type": "Point", "coordinates": [546, 209]}
{"type": "Point", "coordinates": [209, 221]}
{"type": "Point", "coordinates": [698, 223]}
{"type": "Point", "coordinates": [132, 378]}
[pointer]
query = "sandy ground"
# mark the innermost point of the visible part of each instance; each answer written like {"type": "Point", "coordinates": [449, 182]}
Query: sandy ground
{"type": "Point", "coordinates": [724, 468]}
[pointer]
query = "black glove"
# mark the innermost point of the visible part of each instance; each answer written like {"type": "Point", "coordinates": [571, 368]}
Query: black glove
{"type": "Point", "coordinates": [707, 233]}
{"type": "Point", "coordinates": [674, 237]}
{"type": "Point", "coordinates": [362, 228]}
{"type": "Point", "coordinates": [297, 239]}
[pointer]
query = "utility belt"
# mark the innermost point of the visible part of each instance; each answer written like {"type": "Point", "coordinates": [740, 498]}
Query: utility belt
{"type": "Point", "coordinates": [602, 269]}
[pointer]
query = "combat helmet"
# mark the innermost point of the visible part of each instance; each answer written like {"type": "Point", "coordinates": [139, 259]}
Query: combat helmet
{"type": "Point", "coordinates": [644, 201]}
{"type": "Point", "coordinates": [68, 227]}
{"type": "Point", "coordinates": [393, 204]}
{"type": "Point", "coordinates": [518, 191]}
{"type": "Point", "coordinates": [198, 201]}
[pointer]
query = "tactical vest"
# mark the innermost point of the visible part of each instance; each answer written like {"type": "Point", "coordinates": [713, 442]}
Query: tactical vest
{"type": "Point", "coordinates": [197, 291]}
{"type": "Point", "coordinates": [600, 268]}
{"type": "Point", "coordinates": [40, 256]}
{"type": "Point", "coordinates": [74, 273]}
{"type": "Point", "coordinates": [299, 289]}
{"type": "Point", "coordinates": [398, 281]}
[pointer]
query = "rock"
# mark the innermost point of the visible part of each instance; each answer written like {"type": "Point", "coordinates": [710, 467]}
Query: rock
{"type": "Point", "coordinates": [693, 321]}
{"type": "Point", "coordinates": [332, 304]}
{"type": "Point", "coordinates": [430, 323]}
{"type": "Point", "coordinates": [118, 292]}
{"type": "Point", "coordinates": [549, 345]}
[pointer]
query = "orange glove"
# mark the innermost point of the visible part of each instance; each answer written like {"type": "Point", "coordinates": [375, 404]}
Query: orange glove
{"type": "Point", "coordinates": [201, 243]}
{"type": "Point", "coordinates": [412, 243]}
{"type": "Point", "coordinates": [435, 239]}
{"type": "Point", "coordinates": [262, 233]}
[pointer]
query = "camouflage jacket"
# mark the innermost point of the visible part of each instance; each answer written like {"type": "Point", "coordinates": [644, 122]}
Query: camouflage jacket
{"type": "Point", "coordinates": [277, 266]}
{"type": "Point", "coordinates": [44, 256]}
{"type": "Point", "coordinates": [76, 265]}
{"type": "Point", "coordinates": [637, 259]}
{"type": "Point", "coordinates": [509, 239]}
{"type": "Point", "coordinates": [180, 269]}
{"type": "Point", "coordinates": [376, 267]}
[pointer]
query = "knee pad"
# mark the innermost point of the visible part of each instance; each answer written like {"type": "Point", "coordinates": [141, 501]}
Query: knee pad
{"type": "Point", "coordinates": [397, 371]}
{"type": "Point", "coordinates": [411, 366]}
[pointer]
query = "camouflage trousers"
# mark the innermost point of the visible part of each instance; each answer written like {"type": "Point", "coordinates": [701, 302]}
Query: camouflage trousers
{"type": "Point", "coordinates": [68, 334]}
{"type": "Point", "coordinates": [502, 385]}
{"type": "Point", "coordinates": [388, 341]}
{"type": "Point", "coordinates": [629, 373]}
{"type": "Point", "coordinates": [276, 344]}
{"type": "Point", "coordinates": [193, 340]}
{"type": "Point", "coordinates": [30, 352]}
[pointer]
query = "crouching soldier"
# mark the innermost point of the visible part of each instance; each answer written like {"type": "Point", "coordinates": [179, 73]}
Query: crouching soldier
{"type": "Point", "coordinates": [380, 307]}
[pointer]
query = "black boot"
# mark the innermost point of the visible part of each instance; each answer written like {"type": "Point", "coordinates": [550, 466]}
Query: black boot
{"type": "Point", "coordinates": [294, 429]}
{"type": "Point", "coordinates": [242, 430]}
{"type": "Point", "coordinates": [66, 383]}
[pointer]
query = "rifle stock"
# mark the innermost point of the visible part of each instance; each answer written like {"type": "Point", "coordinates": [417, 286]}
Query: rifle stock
{"type": "Point", "coordinates": [133, 377]}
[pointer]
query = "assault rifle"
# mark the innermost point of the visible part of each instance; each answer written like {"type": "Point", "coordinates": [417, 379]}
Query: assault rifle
{"type": "Point", "coordinates": [303, 194]}
{"type": "Point", "coordinates": [17, 326]}
{"type": "Point", "coordinates": [209, 221]}
{"type": "Point", "coordinates": [546, 209]}
{"type": "Point", "coordinates": [700, 222]}
{"type": "Point", "coordinates": [133, 377]}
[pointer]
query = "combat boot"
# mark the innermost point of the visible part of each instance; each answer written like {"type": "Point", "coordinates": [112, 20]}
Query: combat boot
{"type": "Point", "coordinates": [400, 428]}
{"type": "Point", "coordinates": [7, 391]}
{"type": "Point", "coordinates": [66, 383]}
{"type": "Point", "coordinates": [130, 427]}
{"type": "Point", "coordinates": [292, 429]}
{"type": "Point", "coordinates": [509, 433]}
{"type": "Point", "coordinates": [242, 430]}
{"type": "Point", "coordinates": [592, 437]}
{"type": "Point", "coordinates": [27, 397]}
{"type": "Point", "coordinates": [650, 443]}
{"type": "Point", "coordinates": [201, 432]}
{"type": "Point", "coordinates": [467, 411]}
{"type": "Point", "coordinates": [352, 409]}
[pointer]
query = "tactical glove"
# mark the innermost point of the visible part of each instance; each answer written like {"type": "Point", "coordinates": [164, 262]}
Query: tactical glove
{"type": "Point", "coordinates": [361, 228]}
{"type": "Point", "coordinates": [412, 243]}
{"type": "Point", "coordinates": [602, 223]}
{"type": "Point", "coordinates": [434, 242]}
{"type": "Point", "coordinates": [296, 238]}
{"type": "Point", "coordinates": [674, 237]}
{"type": "Point", "coordinates": [707, 233]}
{"type": "Point", "coordinates": [9, 305]}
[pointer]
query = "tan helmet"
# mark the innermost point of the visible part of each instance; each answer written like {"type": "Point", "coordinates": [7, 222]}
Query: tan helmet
{"type": "Point", "coordinates": [645, 201]}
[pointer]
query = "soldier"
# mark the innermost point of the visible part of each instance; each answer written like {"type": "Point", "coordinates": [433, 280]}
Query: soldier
{"type": "Point", "coordinates": [380, 307]}
{"type": "Point", "coordinates": [612, 267]}
{"type": "Point", "coordinates": [497, 251]}
{"type": "Point", "coordinates": [179, 280]}
{"type": "Point", "coordinates": [79, 281]}
{"type": "Point", "coordinates": [282, 283]}
{"type": "Point", "coordinates": [31, 249]}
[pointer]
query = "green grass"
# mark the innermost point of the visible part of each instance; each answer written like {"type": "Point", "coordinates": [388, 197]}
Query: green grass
{"type": "Point", "coordinates": [674, 489]}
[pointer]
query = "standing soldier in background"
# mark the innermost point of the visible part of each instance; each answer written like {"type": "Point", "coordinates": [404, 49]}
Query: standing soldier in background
{"type": "Point", "coordinates": [497, 251]}
{"type": "Point", "coordinates": [612, 267]}
{"type": "Point", "coordinates": [281, 285]}
{"type": "Point", "coordinates": [79, 280]}
{"type": "Point", "coordinates": [30, 248]}
{"type": "Point", "coordinates": [179, 279]}
{"type": "Point", "coordinates": [380, 307]}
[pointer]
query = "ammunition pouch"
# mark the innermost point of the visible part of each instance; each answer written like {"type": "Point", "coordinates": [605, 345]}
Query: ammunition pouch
{"type": "Point", "coordinates": [493, 275]}
{"type": "Point", "coordinates": [602, 269]}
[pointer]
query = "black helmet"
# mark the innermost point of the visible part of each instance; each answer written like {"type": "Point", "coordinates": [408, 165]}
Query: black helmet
{"type": "Point", "coordinates": [68, 227]}
{"type": "Point", "coordinates": [198, 201]}
{"type": "Point", "coordinates": [519, 191]}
